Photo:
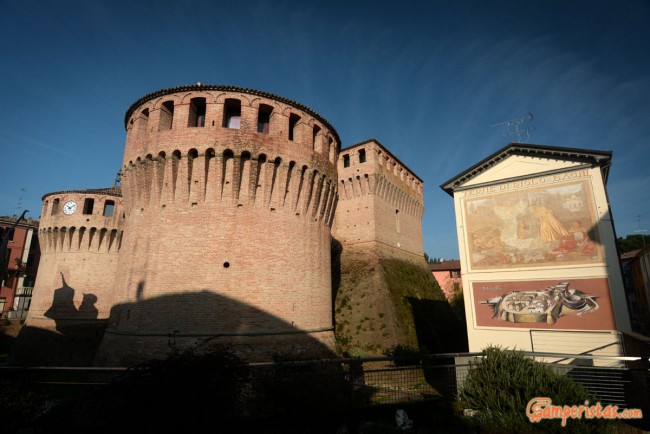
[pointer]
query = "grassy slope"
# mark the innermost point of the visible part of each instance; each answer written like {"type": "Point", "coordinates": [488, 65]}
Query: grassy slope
{"type": "Point", "coordinates": [382, 303]}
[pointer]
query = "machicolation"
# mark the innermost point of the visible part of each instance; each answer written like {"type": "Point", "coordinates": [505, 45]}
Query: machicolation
{"type": "Point", "coordinates": [221, 228]}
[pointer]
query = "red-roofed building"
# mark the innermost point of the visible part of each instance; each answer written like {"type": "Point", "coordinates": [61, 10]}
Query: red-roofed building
{"type": "Point", "coordinates": [636, 276]}
{"type": "Point", "coordinates": [447, 274]}
{"type": "Point", "coordinates": [22, 257]}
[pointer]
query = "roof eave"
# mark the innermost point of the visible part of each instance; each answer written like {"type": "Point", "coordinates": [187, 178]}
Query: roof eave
{"type": "Point", "coordinates": [600, 158]}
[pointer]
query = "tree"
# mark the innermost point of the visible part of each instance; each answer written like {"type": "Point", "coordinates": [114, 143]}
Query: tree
{"type": "Point", "coordinates": [632, 242]}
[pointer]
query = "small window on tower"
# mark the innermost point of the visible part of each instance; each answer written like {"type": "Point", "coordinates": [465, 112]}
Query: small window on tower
{"type": "Point", "coordinates": [314, 135]}
{"type": "Point", "coordinates": [346, 161]}
{"type": "Point", "coordinates": [109, 208]}
{"type": "Point", "coordinates": [362, 155]}
{"type": "Point", "coordinates": [55, 206]}
{"type": "Point", "coordinates": [88, 206]}
{"type": "Point", "coordinates": [293, 121]}
{"type": "Point", "coordinates": [197, 113]}
{"type": "Point", "coordinates": [397, 225]}
{"type": "Point", "coordinates": [264, 118]}
{"type": "Point", "coordinates": [232, 114]}
{"type": "Point", "coordinates": [166, 115]}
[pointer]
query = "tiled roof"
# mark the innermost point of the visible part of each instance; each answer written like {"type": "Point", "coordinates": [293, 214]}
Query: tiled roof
{"type": "Point", "coordinates": [9, 221]}
{"type": "Point", "coordinates": [600, 158]}
{"type": "Point", "coordinates": [635, 253]}
{"type": "Point", "coordinates": [111, 191]}
{"type": "Point", "coordinates": [446, 265]}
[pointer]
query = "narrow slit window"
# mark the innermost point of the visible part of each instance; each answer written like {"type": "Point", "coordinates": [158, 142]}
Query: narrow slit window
{"type": "Point", "coordinates": [109, 208]}
{"type": "Point", "coordinates": [264, 118]}
{"type": "Point", "coordinates": [362, 155]}
{"type": "Point", "coordinates": [293, 121]}
{"type": "Point", "coordinates": [314, 135]}
{"type": "Point", "coordinates": [89, 204]}
{"type": "Point", "coordinates": [143, 122]}
{"type": "Point", "coordinates": [346, 161]}
{"type": "Point", "coordinates": [397, 220]}
{"type": "Point", "coordinates": [166, 115]}
{"type": "Point", "coordinates": [55, 206]}
{"type": "Point", "coordinates": [232, 114]}
{"type": "Point", "coordinates": [197, 113]}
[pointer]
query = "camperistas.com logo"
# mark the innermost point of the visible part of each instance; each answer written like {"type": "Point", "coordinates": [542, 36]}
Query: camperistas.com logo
{"type": "Point", "coordinates": [540, 408]}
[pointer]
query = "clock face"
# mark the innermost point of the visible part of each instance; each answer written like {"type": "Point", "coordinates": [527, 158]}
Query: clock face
{"type": "Point", "coordinates": [70, 207]}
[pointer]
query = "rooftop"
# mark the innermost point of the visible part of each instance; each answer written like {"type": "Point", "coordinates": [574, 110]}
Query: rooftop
{"type": "Point", "coordinates": [111, 191]}
{"type": "Point", "coordinates": [600, 158]}
{"type": "Point", "coordinates": [386, 151]}
{"type": "Point", "coordinates": [446, 265]}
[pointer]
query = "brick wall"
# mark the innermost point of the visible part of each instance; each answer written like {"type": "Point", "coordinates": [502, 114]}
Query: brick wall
{"type": "Point", "coordinates": [226, 229]}
{"type": "Point", "coordinates": [79, 254]}
{"type": "Point", "coordinates": [380, 202]}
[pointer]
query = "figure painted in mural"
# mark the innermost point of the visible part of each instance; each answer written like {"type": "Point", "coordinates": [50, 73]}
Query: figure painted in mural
{"type": "Point", "coordinates": [510, 214]}
{"type": "Point", "coordinates": [550, 228]}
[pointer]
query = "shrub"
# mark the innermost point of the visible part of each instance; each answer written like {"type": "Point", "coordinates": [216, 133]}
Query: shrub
{"type": "Point", "coordinates": [197, 389]}
{"type": "Point", "coordinates": [302, 396]}
{"type": "Point", "coordinates": [404, 355]}
{"type": "Point", "coordinates": [19, 405]}
{"type": "Point", "coordinates": [501, 384]}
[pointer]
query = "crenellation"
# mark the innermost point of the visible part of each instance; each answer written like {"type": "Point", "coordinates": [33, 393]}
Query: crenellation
{"type": "Point", "coordinates": [379, 202]}
{"type": "Point", "coordinates": [222, 185]}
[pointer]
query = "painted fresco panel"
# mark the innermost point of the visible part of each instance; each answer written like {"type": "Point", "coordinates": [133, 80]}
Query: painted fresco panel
{"type": "Point", "coordinates": [532, 223]}
{"type": "Point", "coordinates": [571, 304]}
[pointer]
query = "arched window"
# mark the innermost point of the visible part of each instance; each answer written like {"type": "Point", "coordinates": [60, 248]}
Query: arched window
{"type": "Point", "coordinates": [197, 113]}
{"type": "Point", "coordinates": [232, 113]}
{"type": "Point", "coordinates": [293, 121]}
{"type": "Point", "coordinates": [314, 135]}
{"type": "Point", "coordinates": [55, 206]}
{"type": "Point", "coordinates": [143, 123]}
{"type": "Point", "coordinates": [89, 204]}
{"type": "Point", "coordinates": [109, 208]}
{"type": "Point", "coordinates": [264, 118]}
{"type": "Point", "coordinates": [166, 115]}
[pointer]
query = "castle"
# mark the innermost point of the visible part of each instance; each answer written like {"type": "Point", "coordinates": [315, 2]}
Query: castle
{"type": "Point", "coordinates": [221, 228]}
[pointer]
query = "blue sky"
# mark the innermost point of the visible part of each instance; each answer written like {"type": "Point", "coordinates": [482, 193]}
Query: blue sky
{"type": "Point", "coordinates": [426, 79]}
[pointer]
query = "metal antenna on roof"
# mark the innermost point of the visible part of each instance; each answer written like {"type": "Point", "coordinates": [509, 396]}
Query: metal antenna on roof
{"type": "Point", "coordinates": [517, 132]}
{"type": "Point", "coordinates": [640, 231]}
{"type": "Point", "coordinates": [19, 204]}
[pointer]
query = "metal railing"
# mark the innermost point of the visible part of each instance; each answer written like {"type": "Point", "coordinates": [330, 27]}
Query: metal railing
{"type": "Point", "coordinates": [24, 290]}
{"type": "Point", "coordinates": [387, 380]}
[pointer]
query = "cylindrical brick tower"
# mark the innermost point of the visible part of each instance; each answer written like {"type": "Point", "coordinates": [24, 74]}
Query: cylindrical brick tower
{"type": "Point", "coordinates": [229, 194]}
{"type": "Point", "coordinates": [80, 234]}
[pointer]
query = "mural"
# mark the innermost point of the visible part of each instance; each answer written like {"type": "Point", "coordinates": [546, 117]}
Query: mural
{"type": "Point", "coordinates": [576, 304]}
{"type": "Point", "coordinates": [542, 226]}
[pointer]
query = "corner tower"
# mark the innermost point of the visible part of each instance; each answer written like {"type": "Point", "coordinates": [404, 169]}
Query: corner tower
{"type": "Point", "coordinates": [80, 235]}
{"type": "Point", "coordinates": [381, 203]}
{"type": "Point", "coordinates": [229, 195]}
{"type": "Point", "coordinates": [382, 285]}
